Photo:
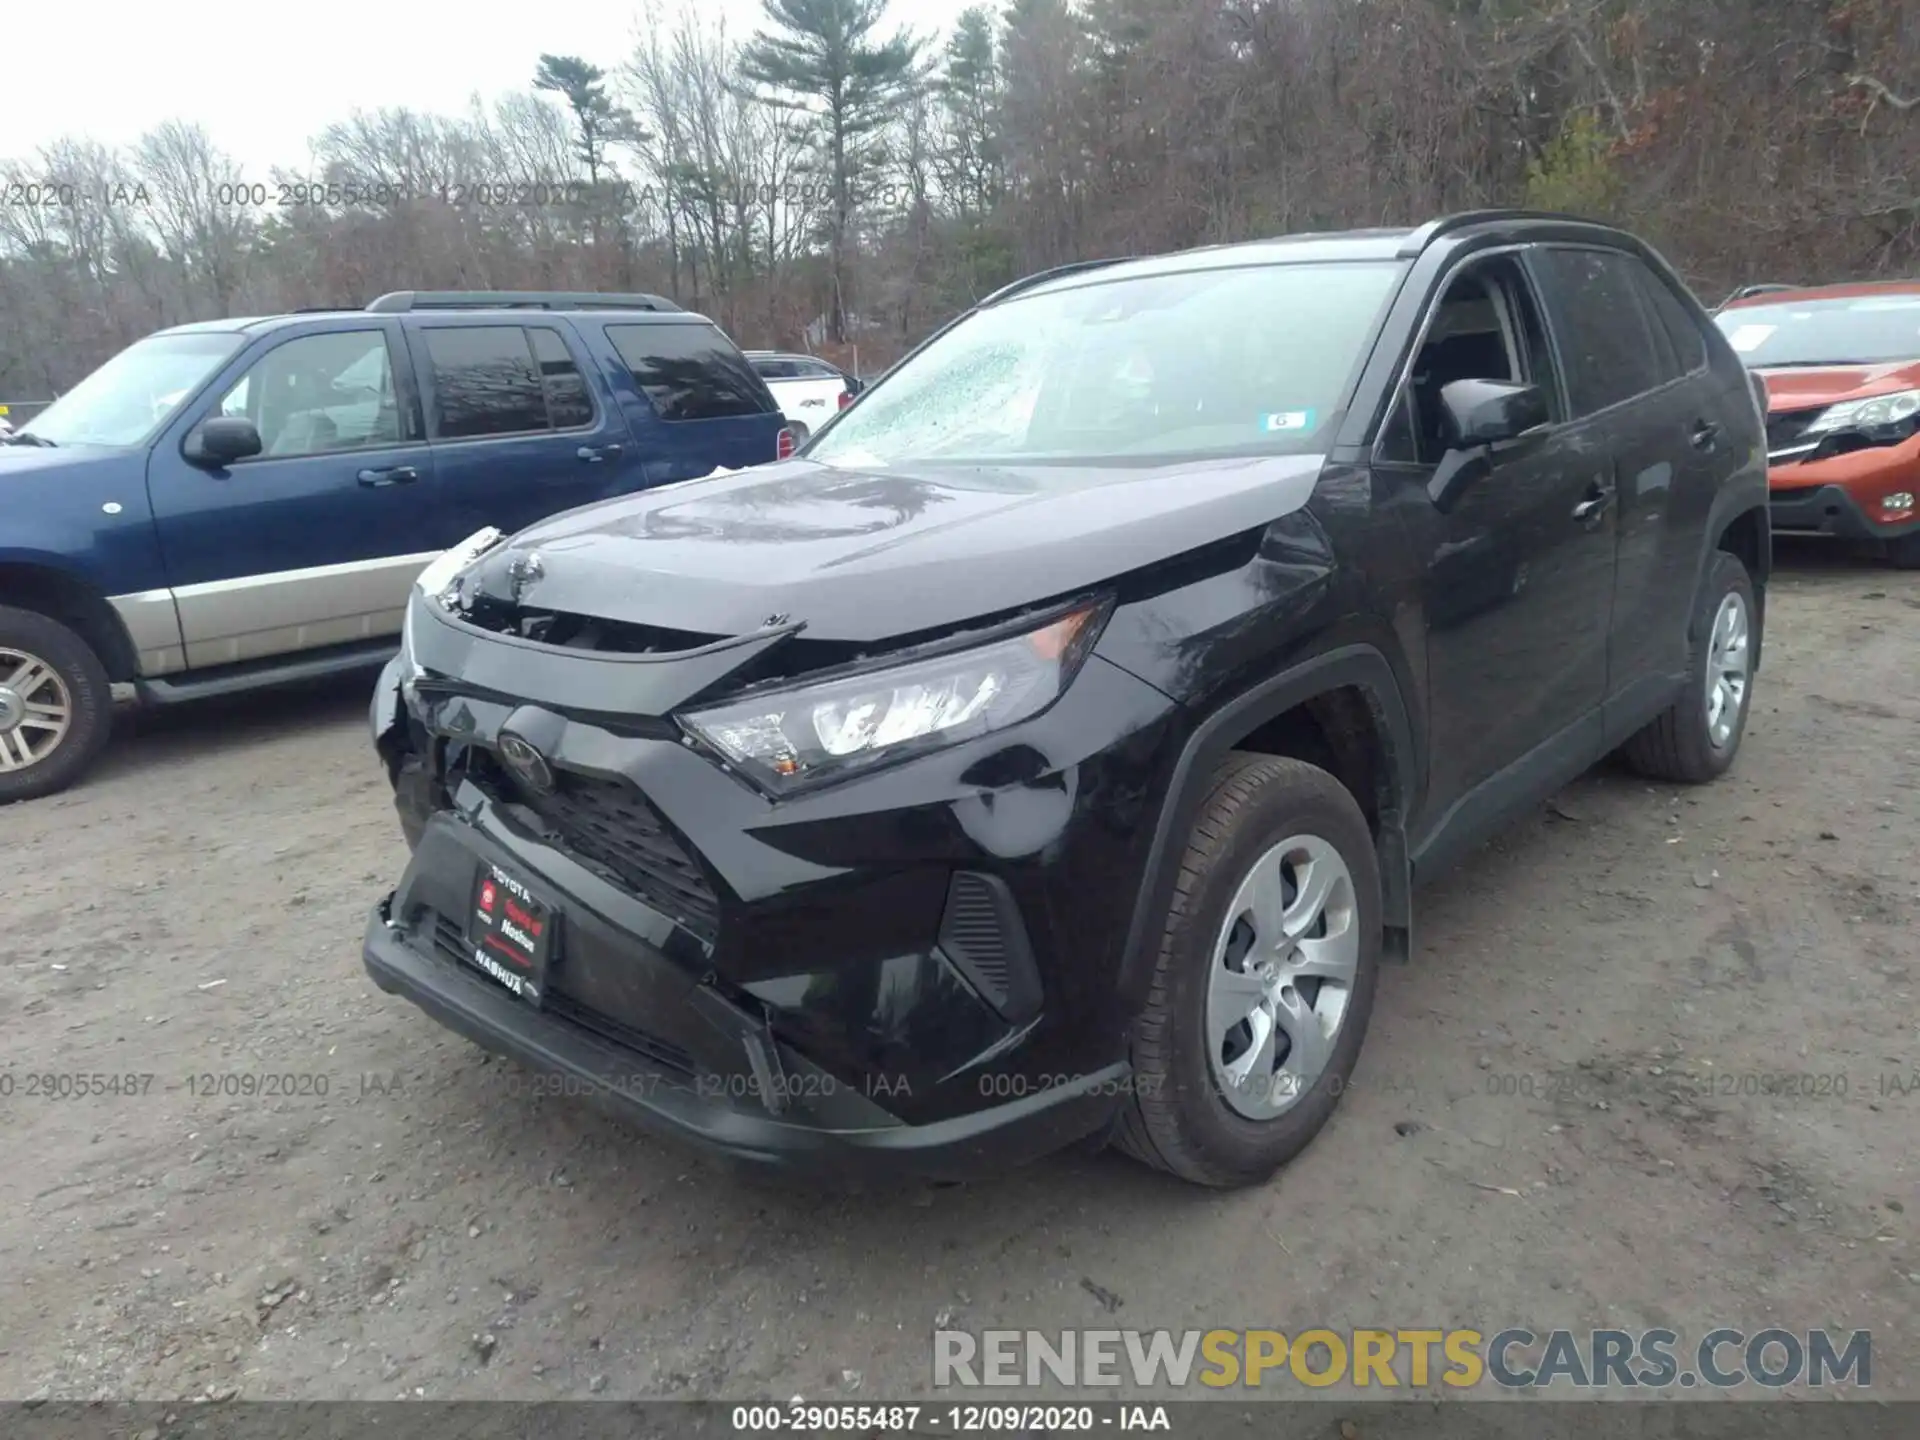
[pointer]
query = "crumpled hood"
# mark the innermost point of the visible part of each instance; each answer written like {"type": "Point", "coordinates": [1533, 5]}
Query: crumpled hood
{"type": "Point", "coordinates": [1804, 387]}
{"type": "Point", "coordinates": [870, 554]}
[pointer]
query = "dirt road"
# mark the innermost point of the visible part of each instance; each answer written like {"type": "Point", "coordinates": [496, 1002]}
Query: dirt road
{"type": "Point", "coordinates": [1561, 1117]}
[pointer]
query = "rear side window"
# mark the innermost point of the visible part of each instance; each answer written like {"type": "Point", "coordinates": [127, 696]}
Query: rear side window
{"type": "Point", "coordinates": [776, 369]}
{"type": "Point", "coordinates": [1683, 331]}
{"type": "Point", "coordinates": [484, 382]}
{"type": "Point", "coordinates": [1606, 340]}
{"type": "Point", "coordinates": [568, 403]}
{"type": "Point", "coordinates": [690, 372]}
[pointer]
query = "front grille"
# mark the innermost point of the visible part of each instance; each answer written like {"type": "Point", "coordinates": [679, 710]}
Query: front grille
{"type": "Point", "coordinates": [452, 945]}
{"type": "Point", "coordinates": [1785, 429]}
{"type": "Point", "coordinates": [447, 938]}
{"type": "Point", "coordinates": [565, 630]}
{"type": "Point", "coordinates": [607, 825]}
{"type": "Point", "coordinates": [662, 1052]}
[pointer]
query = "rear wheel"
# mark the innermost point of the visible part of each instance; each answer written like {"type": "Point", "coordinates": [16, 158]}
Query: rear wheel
{"type": "Point", "coordinates": [55, 705]}
{"type": "Point", "coordinates": [1265, 979]}
{"type": "Point", "coordinates": [1696, 739]}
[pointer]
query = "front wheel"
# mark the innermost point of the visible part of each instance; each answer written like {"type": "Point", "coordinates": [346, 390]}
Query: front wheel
{"type": "Point", "coordinates": [55, 707]}
{"type": "Point", "coordinates": [1265, 979]}
{"type": "Point", "coordinates": [1905, 552]}
{"type": "Point", "coordinates": [1695, 739]}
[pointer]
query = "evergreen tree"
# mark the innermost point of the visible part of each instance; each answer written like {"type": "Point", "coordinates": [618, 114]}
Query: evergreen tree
{"type": "Point", "coordinates": [821, 57]}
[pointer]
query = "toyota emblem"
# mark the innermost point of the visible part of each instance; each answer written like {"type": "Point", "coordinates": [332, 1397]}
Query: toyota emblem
{"type": "Point", "coordinates": [528, 764]}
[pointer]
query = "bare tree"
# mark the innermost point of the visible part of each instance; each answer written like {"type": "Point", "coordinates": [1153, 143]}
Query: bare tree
{"type": "Point", "coordinates": [1768, 139]}
{"type": "Point", "coordinates": [202, 215]}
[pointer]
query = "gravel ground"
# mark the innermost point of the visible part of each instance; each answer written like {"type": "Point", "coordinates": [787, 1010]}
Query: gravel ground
{"type": "Point", "coordinates": [1557, 1119]}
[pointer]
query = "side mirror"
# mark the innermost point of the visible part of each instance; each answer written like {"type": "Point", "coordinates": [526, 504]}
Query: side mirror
{"type": "Point", "coordinates": [1486, 412]}
{"type": "Point", "coordinates": [1480, 415]}
{"type": "Point", "coordinates": [222, 439]}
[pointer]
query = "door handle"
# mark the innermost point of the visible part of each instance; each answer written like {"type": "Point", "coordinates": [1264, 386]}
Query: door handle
{"type": "Point", "coordinates": [1705, 435]}
{"type": "Point", "coordinates": [596, 453]}
{"type": "Point", "coordinates": [1599, 500]}
{"type": "Point", "coordinates": [398, 475]}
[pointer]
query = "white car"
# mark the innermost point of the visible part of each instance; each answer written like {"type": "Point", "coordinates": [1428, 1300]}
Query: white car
{"type": "Point", "coordinates": [809, 390]}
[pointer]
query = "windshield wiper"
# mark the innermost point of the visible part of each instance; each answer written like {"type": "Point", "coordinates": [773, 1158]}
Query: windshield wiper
{"type": "Point", "coordinates": [1808, 364]}
{"type": "Point", "coordinates": [24, 437]}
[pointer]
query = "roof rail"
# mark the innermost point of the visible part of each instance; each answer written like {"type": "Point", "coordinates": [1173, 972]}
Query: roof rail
{"type": "Point", "coordinates": [1055, 273]}
{"type": "Point", "coordinates": [1426, 234]}
{"type": "Point", "coordinates": [401, 301]}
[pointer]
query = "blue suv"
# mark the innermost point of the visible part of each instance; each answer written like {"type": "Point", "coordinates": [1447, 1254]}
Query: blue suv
{"type": "Point", "coordinates": [236, 503]}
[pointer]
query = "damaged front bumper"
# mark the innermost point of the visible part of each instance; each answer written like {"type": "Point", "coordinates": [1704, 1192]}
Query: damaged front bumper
{"type": "Point", "coordinates": [746, 1097]}
{"type": "Point", "coordinates": [913, 971]}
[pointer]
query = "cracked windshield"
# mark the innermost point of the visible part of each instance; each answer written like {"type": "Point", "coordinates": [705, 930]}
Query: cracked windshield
{"type": "Point", "coordinates": [1206, 361]}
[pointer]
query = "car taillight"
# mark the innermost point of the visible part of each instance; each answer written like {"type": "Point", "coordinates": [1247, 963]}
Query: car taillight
{"type": "Point", "coordinates": [786, 443]}
{"type": "Point", "coordinates": [846, 398]}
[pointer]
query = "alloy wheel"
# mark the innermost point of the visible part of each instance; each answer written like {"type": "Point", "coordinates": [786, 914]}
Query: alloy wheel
{"type": "Point", "coordinates": [1281, 974]}
{"type": "Point", "coordinates": [36, 709]}
{"type": "Point", "coordinates": [1728, 665]}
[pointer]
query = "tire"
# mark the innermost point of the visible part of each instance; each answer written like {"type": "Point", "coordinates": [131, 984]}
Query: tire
{"type": "Point", "coordinates": [1183, 1117]}
{"type": "Point", "coordinates": [1682, 745]}
{"type": "Point", "coordinates": [59, 673]}
{"type": "Point", "coordinates": [1905, 552]}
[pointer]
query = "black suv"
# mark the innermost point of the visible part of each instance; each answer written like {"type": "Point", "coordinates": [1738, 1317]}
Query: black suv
{"type": "Point", "coordinates": [1050, 750]}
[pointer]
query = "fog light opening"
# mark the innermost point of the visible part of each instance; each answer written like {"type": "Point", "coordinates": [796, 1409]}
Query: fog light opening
{"type": "Point", "coordinates": [1899, 502]}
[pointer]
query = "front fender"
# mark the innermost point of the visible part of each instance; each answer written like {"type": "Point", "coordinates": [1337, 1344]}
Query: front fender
{"type": "Point", "coordinates": [386, 710]}
{"type": "Point", "coordinates": [1362, 667]}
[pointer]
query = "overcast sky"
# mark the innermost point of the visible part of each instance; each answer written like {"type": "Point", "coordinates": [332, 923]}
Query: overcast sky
{"type": "Point", "coordinates": [262, 80]}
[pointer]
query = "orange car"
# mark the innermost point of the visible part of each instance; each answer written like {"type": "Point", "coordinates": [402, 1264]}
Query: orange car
{"type": "Point", "coordinates": [1841, 365]}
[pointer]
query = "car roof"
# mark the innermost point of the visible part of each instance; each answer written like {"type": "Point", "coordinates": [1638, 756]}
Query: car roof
{"type": "Point", "coordinates": [263, 324]}
{"type": "Point", "coordinates": [1853, 290]}
{"type": "Point", "coordinates": [1374, 244]}
{"type": "Point", "coordinates": [1288, 249]}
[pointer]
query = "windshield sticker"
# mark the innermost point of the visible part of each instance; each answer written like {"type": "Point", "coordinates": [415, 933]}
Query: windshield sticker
{"type": "Point", "coordinates": [1750, 337]}
{"type": "Point", "coordinates": [1297, 422]}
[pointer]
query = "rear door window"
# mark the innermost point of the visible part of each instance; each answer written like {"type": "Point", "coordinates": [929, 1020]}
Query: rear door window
{"type": "Point", "coordinates": [568, 403]}
{"type": "Point", "coordinates": [1683, 331]}
{"type": "Point", "coordinates": [1606, 336]}
{"type": "Point", "coordinates": [690, 372]}
{"type": "Point", "coordinates": [484, 382]}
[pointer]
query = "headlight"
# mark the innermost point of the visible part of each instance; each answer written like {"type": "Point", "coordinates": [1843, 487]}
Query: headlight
{"type": "Point", "coordinates": [786, 740]}
{"type": "Point", "coordinates": [440, 572]}
{"type": "Point", "coordinates": [1871, 414]}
